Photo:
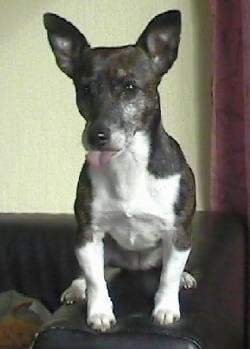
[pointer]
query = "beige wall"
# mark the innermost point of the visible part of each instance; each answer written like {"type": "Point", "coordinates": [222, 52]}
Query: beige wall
{"type": "Point", "coordinates": [40, 129]}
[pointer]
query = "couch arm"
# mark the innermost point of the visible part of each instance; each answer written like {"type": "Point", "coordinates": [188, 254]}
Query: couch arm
{"type": "Point", "coordinates": [212, 314]}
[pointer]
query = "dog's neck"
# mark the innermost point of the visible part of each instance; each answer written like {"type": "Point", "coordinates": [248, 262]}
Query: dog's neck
{"type": "Point", "coordinates": [141, 148]}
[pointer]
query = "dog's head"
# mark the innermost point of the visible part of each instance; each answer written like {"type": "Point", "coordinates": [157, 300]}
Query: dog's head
{"type": "Point", "coordinates": [116, 88]}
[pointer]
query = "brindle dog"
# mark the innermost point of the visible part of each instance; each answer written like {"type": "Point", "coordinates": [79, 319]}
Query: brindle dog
{"type": "Point", "coordinates": [136, 192]}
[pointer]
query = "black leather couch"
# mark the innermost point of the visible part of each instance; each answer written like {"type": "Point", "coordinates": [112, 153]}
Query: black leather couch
{"type": "Point", "coordinates": [37, 259]}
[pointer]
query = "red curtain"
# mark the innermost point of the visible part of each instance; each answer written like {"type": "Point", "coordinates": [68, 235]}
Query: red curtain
{"type": "Point", "coordinates": [231, 106]}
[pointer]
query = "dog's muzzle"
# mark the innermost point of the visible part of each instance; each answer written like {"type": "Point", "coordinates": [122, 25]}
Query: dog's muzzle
{"type": "Point", "coordinates": [101, 148]}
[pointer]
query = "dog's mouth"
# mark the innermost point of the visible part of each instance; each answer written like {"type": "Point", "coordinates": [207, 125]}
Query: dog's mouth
{"type": "Point", "coordinates": [100, 159]}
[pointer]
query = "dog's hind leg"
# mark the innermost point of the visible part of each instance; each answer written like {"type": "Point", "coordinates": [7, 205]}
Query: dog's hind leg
{"type": "Point", "coordinates": [76, 292]}
{"type": "Point", "coordinates": [187, 281]}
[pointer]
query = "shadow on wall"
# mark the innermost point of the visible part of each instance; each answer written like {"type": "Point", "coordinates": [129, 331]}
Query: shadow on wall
{"type": "Point", "coordinates": [203, 87]}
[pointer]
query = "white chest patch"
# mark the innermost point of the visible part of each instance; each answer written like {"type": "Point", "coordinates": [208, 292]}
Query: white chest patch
{"type": "Point", "coordinates": [129, 203]}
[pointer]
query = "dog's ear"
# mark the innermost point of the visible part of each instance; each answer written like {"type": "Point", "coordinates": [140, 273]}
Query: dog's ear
{"type": "Point", "coordinates": [160, 40]}
{"type": "Point", "coordinates": [66, 41]}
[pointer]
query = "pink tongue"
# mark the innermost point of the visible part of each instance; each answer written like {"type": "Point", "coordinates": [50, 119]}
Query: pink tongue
{"type": "Point", "coordinates": [99, 159]}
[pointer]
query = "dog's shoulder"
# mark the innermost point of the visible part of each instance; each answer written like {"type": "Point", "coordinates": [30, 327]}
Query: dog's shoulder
{"type": "Point", "coordinates": [84, 197]}
{"type": "Point", "coordinates": [166, 157]}
{"type": "Point", "coordinates": [166, 160]}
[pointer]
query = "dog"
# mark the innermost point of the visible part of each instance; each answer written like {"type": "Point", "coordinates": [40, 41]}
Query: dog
{"type": "Point", "coordinates": [136, 192]}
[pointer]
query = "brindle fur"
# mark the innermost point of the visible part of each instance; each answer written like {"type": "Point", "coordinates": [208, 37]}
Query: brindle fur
{"type": "Point", "coordinates": [82, 207]}
{"type": "Point", "coordinates": [185, 208]}
{"type": "Point", "coordinates": [98, 76]}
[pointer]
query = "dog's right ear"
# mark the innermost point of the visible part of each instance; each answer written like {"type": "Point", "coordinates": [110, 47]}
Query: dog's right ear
{"type": "Point", "coordinates": [66, 41]}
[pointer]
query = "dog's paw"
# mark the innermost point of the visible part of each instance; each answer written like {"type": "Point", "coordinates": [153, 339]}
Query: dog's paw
{"type": "Point", "coordinates": [75, 293]}
{"type": "Point", "coordinates": [167, 308]}
{"type": "Point", "coordinates": [165, 316]}
{"type": "Point", "coordinates": [102, 321]}
{"type": "Point", "coordinates": [100, 314]}
{"type": "Point", "coordinates": [187, 281]}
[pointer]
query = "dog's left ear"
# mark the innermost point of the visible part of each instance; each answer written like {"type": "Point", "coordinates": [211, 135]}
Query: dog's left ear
{"type": "Point", "coordinates": [160, 40]}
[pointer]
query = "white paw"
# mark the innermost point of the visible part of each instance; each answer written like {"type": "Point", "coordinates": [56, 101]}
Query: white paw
{"type": "Point", "coordinates": [101, 321]}
{"type": "Point", "coordinates": [100, 311]}
{"type": "Point", "coordinates": [167, 309]}
{"type": "Point", "coordinates": [165, 316]}
{"type": "Point", "coordinates": [187, 281]}
{"type": "Point", "coordinates": [75, 293]}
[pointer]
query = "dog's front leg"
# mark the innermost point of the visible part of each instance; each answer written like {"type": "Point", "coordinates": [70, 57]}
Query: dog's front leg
{"type": "Point", "coordinates": [167, 309]}
{"type": "Point", "coordinates": [99, 306]}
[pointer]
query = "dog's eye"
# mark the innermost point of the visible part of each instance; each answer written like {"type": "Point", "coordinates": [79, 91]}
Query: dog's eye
{"type": "Point", "coordinates": [130, 87]}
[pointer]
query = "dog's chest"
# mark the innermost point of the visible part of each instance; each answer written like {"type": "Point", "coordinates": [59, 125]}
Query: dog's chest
{"type": "Point", "coordinates": [130, 204]}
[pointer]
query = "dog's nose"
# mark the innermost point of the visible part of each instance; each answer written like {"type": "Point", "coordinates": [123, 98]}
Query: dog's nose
{"type": "Point", "coordinates": [99, 136]}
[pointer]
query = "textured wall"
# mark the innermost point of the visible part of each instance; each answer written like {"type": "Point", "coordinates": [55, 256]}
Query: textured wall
{"type": "Point", "coordinates": [40, 129]}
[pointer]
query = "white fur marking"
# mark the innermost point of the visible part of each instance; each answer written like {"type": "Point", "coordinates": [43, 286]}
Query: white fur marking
{"type": "Point", "coordinates": [118, 139]}
{"type": "Point", "coordinates": [129, 200]}
{"type": "Point", "coordinates": [99, 306]}
{"type": "Point", "coordinates": [167, 308]}
{"type": "Point", "coordinates": [76, 292]}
